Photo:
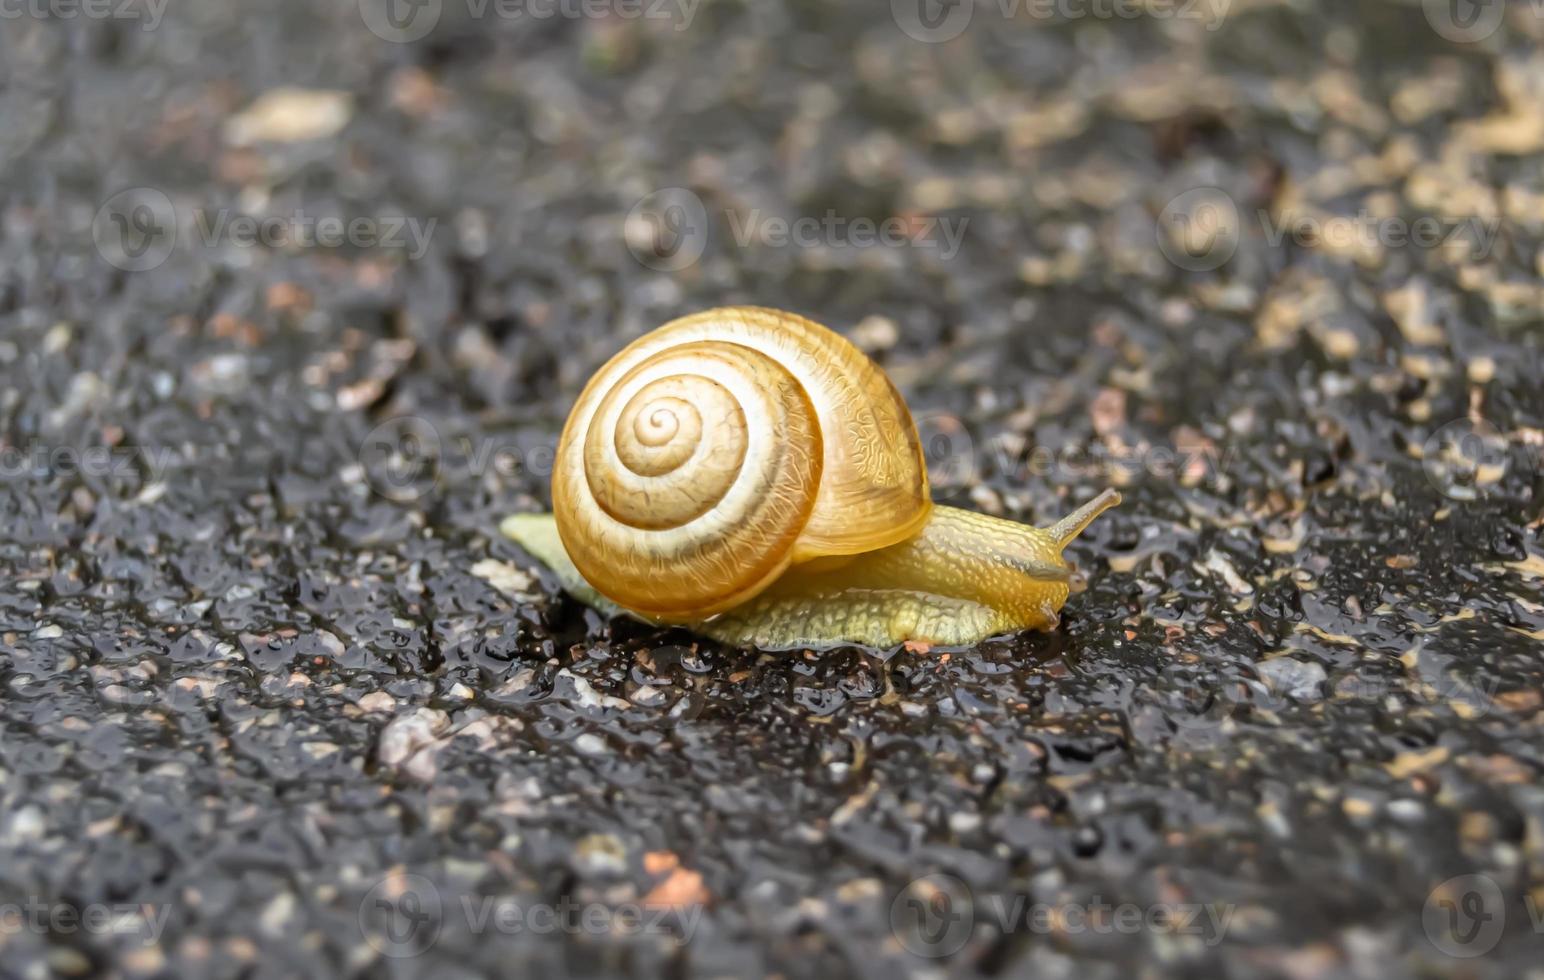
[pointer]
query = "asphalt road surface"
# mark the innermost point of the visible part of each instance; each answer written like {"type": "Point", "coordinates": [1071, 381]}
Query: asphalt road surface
{"type": "Point", "coordinates": [294, 298]}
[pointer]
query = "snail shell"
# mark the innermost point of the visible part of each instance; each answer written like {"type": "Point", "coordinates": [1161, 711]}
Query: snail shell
{"type": "Point", "coordinates": [711, 454]}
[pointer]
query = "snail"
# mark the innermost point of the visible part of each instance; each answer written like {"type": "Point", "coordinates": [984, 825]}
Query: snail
{"type": "Point", "coordinates": [752, 475]}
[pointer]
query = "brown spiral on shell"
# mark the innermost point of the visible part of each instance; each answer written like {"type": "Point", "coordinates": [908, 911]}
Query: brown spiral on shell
{"type": "Point", "coordinates": [711, 453]}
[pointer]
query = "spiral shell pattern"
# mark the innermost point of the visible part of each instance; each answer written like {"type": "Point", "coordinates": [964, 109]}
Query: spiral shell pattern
{"type": "Point", "coordinates": [685, 488]}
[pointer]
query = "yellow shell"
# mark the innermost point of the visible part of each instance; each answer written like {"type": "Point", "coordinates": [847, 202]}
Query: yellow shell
{"type": "Point", "coordinates": [714, 452]}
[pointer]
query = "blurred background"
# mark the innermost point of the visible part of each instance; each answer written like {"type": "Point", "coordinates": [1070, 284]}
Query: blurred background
{"type": "Point", "coordinates": [294, 298]}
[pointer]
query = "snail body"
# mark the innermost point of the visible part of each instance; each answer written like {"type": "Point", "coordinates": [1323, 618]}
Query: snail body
{"type": "Point", "coordinates": [751, 474]}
